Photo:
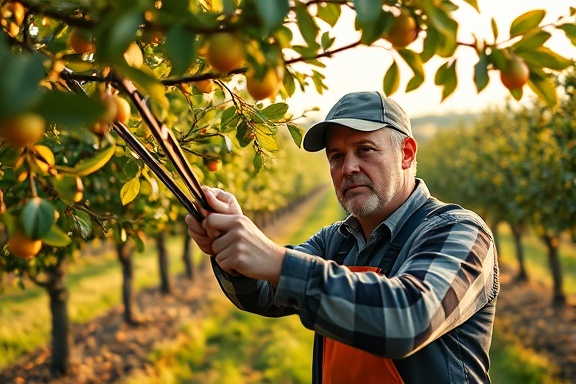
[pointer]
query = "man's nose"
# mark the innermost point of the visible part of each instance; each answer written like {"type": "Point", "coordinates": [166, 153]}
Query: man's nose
{"type": "Point", "coordinates": [350, 165]}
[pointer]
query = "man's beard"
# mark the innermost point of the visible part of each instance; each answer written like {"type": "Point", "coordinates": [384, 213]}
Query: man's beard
{"type": "Point", "coordinates": [360, 204]}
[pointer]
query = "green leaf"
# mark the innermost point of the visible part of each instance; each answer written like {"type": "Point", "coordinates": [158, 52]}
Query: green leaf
{"type": "Point", "coordinates": [430, 44]}
{"type": "Point", "coordinates": [570, 31]}
{"type": "Point", "coordinates": [229, 119]}
{"type": "Point", "coordinates": [526, 22]}
{"type": "Point", "coordinates": [83, 223]}
{"type": "Point", "coordinates": [131, 168]}
{"type": "Point", "coordinates": [446, 76]}
{"type": "Point", "coordinates": [242, 134]}
{"type": "Point", "coordinates": [115, 32]}
{"type": "Point", "coordinates": [69, 108]}
{"type": "Point", "coordinates": [373, 31]}
{"type": "Point", "coordinates": [545, 57]}
{"type": "Point", "coordinates": [474, 4]}
{"type": "Point", "coordinates": [481, 77]}
{"type": "Point", "coordinates": [329, 12]}
{"type": "Point", "coordinates": [318, 80]}
{"type": "Point", "coordinates": [326, 41]}
{"type": "Point", "coordinates": [296, 134]}
{"type": "Point", "coordinates": [56, 237]}
{"type": "Point", "coordinates": [37, 217]}
{"type": "Point", "coordinates": [275, 112]}
{"type": "Point", "coordinates": [498, 59]}
{"type": "Point", "coordinates": [266, 141]}
{"type": "Point", "coordinates": [367, 11]}
{"type": "Point", "coordinates": [544, 88]}
{"type": "Point", "coordinates": [257, 162]}
{"type": "Point", "coordinates": [130, 190]}
{"type": "Point", "coordinates": [517, 93]}
{"type": "Point", "coordinates": [391, 79]}
{"type": "Point", "coordinates": [447, 45]}
{"type": "Point", "coordinates": [180, 48]}
{"type": "Point", "coordinates": [289, 83]}
{"type": "Point", "coordinates": [19, 76]}
{"type": "Point", "coordinates": [65, 185]}
{"type": "Point", "coordinates": [494, 29]}
{"type": "Point", "coordinates": [272, 13]}
{"type": "Point", "coordinates": [415, 63]}
{"type": "Point", "coordinates": [531, 40]}
{"type": "Point", "coordinates": [440, 19]}
{"type": "Point", "coordinates": [90, 165]}
{"type": "Point", "coordinates": [307, 26]}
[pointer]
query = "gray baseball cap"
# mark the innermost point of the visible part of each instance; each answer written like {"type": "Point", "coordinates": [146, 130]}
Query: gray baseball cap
{"type": "Point", "coordinates": [362, 111]}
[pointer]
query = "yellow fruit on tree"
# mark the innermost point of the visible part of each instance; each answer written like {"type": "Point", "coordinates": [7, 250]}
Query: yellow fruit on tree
{"type": "Point", "coordinates": [515, 74]}
{"type": "Point", "coordinates": [110, 108]}
{"type": "Point", "coordinates": [80, 41]}
{"type": "Point", "coordinates": [213, 165]}
{"type": "Point", "coordinates": [22, 246]}
{"type": "Point", "coordinates": [403, 31]}
{"type": "Point", "coordinates": [204, 86]}
{"type": "Point", "coordinates": [43, 158]}
{"type": "Point", "coordinates": [23, 129]}
{"type": "Point", "coordinates": [122, 109]}
{"type": "Point", "coordinates": [265, 87]}
{"type": "Point", "coordinates": [225, 51]}
{"type": "Point", "coordinates": [18, 12]}
{"type": "Point", "coordinates": [133, 56]}
{"type": "Point", "coordinates": [13, 29]}
{"type": "Point", "coordinates": [99, 128]}
{"type": "Point", "coordinates": [14, 11]}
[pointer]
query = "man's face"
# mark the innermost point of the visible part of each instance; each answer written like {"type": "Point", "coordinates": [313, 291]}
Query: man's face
{"type": "Point", "coordinates": [366, 169]}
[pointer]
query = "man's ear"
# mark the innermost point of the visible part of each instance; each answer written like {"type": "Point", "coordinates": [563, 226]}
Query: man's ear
{"type": "Point", "coordinates": [409, 149]}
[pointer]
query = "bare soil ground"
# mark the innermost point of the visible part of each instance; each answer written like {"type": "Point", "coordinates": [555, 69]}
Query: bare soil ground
{"type": "Point", "coordinates": [106, 349]}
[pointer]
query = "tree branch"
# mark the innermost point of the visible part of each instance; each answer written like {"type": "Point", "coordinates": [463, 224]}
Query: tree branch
{"type": "Point", "coordinates": [325, 53]}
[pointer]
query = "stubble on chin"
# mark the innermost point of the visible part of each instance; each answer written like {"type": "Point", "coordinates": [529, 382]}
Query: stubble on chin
{"type": "Point", "coordinates": [360, 205]}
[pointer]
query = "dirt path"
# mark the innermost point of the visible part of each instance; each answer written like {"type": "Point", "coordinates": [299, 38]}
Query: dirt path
{"type": "Point", "coordinates": [525, 309]}
{"type": "Point", "coordinates": [105, 350]}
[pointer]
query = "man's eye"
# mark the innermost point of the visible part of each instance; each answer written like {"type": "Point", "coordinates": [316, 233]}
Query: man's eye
{"type": "Point", "coordinates": [335, 157]}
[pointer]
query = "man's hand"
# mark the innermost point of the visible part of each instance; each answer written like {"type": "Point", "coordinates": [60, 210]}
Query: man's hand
{"type": "Point", "coordinates": [221, 202]}
{"type": "Point", "coordinates": [239, 245]}
{"type": "Point", "coordinates": [242, 248]}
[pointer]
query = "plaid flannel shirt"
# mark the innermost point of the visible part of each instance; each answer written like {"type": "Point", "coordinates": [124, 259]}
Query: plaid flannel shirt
{"type": "Point", "coordinates": [432, 312]}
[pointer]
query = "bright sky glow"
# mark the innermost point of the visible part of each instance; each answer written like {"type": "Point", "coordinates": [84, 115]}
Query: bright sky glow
{"type": "Point", "coordinates": [363, 68]}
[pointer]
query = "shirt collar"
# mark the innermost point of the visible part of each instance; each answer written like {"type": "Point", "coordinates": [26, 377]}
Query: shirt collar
{"type": "Point", "coordinates": [395, 221]}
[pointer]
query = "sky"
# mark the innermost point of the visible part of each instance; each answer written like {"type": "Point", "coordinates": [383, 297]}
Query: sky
{"type": "Point", "coordinates": [363, 68]}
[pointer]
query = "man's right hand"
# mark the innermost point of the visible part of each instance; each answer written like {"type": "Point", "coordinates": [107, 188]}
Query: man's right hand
{"type": "Point", "coordinates": [221, 202]}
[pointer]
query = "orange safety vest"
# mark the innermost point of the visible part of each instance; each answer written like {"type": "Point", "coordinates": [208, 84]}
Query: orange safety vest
{"type": "Point", "coordinates": [343, 364]}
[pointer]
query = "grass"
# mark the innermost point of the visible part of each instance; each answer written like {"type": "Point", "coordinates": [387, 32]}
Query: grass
{"type": "Point", "coordinates": [95, 288]}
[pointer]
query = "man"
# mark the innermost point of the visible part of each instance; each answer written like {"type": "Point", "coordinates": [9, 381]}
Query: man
{"type": "Point", "coordinates": [402, 291]}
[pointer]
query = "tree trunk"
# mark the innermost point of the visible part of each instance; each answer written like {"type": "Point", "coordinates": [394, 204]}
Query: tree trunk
{"type": "Point", "coordinates": [61, 340]}
{"type": "Point", "coordinates": [553, 242]}
{"type": "Point", "coordinates": [131, 311]}
{"type": "Point", "coordinates": [187, 257]}
{"type": "Point", "coordinates": [517, 232]}
{"type": "Point", "coordinates": [165, 286]}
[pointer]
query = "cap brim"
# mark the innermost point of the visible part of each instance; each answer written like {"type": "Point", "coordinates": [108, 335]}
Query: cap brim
{"type": "Point", "coordinates": [315, 138]}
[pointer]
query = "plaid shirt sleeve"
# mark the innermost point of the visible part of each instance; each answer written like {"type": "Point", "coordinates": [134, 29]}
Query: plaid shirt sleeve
{"type": "Point", "coordinates": [447, 273]}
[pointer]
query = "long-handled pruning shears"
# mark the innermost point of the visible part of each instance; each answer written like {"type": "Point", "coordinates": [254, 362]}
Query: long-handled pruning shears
{"type": "Point", "coordinates": [167, 141]}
